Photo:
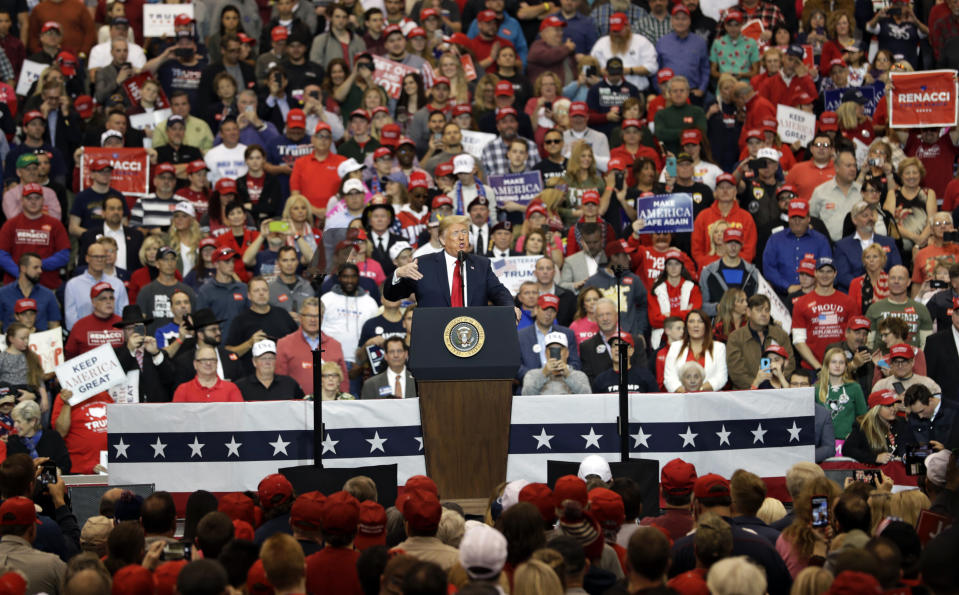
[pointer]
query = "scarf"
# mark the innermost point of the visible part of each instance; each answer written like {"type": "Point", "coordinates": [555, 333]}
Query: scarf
{"type": "Point", "coordinates": [31, 443]}
{"type": "Point", "coordinates": [458, 192]}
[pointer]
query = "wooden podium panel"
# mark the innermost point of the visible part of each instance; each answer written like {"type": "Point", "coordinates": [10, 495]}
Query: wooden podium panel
{"type": "Point", "coordinates": [466, 434]}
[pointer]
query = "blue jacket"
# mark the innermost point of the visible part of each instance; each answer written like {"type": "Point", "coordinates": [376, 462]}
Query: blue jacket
{"type": "Point", "coordinates": [581, 30]}
{"type": "Point", "coordinates": [509, 29]}
{"type": "Point", "coordinates": [784, 251]}
{"type": "Point", "coordinates": [687, 57]}
{"type": "Point", "coordinates": [847, 255]}
{"type": "Point", "coordinates": [530, 349]}
{"type": "Point", "coordinates": [433, 290]}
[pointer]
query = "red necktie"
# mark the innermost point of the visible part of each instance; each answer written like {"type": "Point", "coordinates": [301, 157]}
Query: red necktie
{"type": "Point", "coordinates": [398, 389]}
{"type": "Point", "coordinates": [456, 294]}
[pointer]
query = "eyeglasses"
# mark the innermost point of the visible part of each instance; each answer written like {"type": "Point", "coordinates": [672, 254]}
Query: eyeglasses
{"type": "Point", "coordinates": [942, 223]}
{"type": "Point", "coordinates": [325, 136]}
{"type": "Point", "coordinates": [206, 360]}
{"type": "Point", "coordinates": [553, 142]}
{"type": "Point", "coordinates": [822, 145]}
{"type": "Point", "coordinates": [330, 376]}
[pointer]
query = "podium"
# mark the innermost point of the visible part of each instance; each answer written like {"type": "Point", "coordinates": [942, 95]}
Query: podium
{"type": "Point", "coordinates": [464, 361]}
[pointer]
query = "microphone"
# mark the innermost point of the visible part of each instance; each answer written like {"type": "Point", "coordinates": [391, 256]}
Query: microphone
{"type": "Point", "coordinates": [461, 257]}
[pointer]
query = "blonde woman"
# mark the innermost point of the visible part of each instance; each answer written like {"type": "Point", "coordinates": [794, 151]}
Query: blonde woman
{"type": "Point", "coordinates": [484, 99]}
{"type": "Point", "coordinates": [331, 377]}
{"type": "Point", "coordinates": [716, 230]}
{"type": "Point", "coordinates": [853, 122]}
{"type": "Point", "coordinates": [873, 284]}
{"type": "Point", "coordinates": [141, 277]}
{"type": "Point", "coordinates": [535, 577]}
{"type": "Point", "coordinates": [303, 235]}
{"type": "Point", "coordinates": [800, 541]}
{"type": "Point", "coordinates": [839, 393]}
{"type": "Point", "coordinates": [906, 504]}
{"type": "Point", "coordinates": [451, 67]}
{"type": "Point", "coordinates": [546, 90]}
{"type": "Point", "coordinates": [581, 175]}
{"type": "Point", "coordinates": [912, 205]}
{"type": "Point", "coordinates": [814, 580]}
{"type": "Point", "coordinates": [879, 435]}
{"type": "Point", "coordinates": [184, 237]}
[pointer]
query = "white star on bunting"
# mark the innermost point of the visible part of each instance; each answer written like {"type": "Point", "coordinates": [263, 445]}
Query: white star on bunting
{"type": "Point", "coordinates": [543, 439]}
{"type": "Point", "coordinates": [376, 443]}
{"type": "Point", "coordinates": [233, 447]}
{"type": "Point", "coordinates": [794, 432]}
{"type": "Point", "coordinates": [689, 438]}
{"type": "Point", "coordinates": [279, 446]}
{"type": "Point", "coordinates": [121, 449]}
{"type": "Point", "coordinates": [592, 439]}
{"type": "Point", "coordinates": [723, 436]}
{"type": "Point", "coordinates": [158, 449]}
{"type": "Point", "coordinates": [329, 445]}
{"type": "Point", "coordinates": [641, 438]}
{"type": "Point", "coordinates": [419, 440]}
{"type": "Point", "coordinates": [758, 434]}
{"type": "Point", "coordinates": [196, 449]}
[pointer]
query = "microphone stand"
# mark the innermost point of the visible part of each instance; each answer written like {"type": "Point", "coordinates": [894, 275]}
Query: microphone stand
{"type": "Point", "coordinates": [318, 429]}
{"type": "Point", "coordinates": [622, 420]}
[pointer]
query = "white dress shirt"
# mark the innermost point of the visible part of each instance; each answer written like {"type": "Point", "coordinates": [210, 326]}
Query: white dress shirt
{"type": "Point", "coordinates": [121, 241]}
{"type": "Point", "coordinates": [450, 264]}
{"type": "Point", "coordinates": [391, 377]}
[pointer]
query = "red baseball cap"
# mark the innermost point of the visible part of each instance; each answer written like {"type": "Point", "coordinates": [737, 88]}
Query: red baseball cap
{"type": "Point", "coordinates": [182, 19]}
{"type": "Point", "coordinates": [664, 75]}
{"type": "Point", "coordinates": [711, 486]}
{"type": "Point", "coordinates": [18, 511]}
{"type": "Point", "coordinates": [680, 7]}
{"type": "Point", "coordinates": [883, 397]}
{"type": "Point", "coordinates": [99, 288]}
{"type": "Point", "coordinates": [237, 505]}
{"type": "Point", "coordinates": [67, 62]}
{"type": "Point", "coordinates": [133, 579]}
{"type": "Point", "coordinates": [274, 489]}
{"type": "Point", "coordinates": [296, 118]}
{"type": "Point", "coordinates": [504, 89]}
{"type": "Point", "coordinates": [733, 234]}
{"type": "Point", "coordinates": [724, 177]}
{"type": "Point", "coordinates": [853, 582]}
{"type": "Point", "coordinates": [341, 513]}
{"type": "Point", "coordinates": [547, 300]}
{"type": "Point", "coordinates": [279, 33]}
{"type": "Point", "coordinates": [677, 477]}
{"type": "Point", "coordinates": [416, 32]}
{"type": "Point", "coordinates": [195, 166]}
{"type": "Point", "coordinates": [360, 113]}
{"type": "Point", "coordinates": [390, 135]}
{"type": "Point", "coordinates": [429, 12]}
{"type": "Point", "coordinates": [441, 201]}
{"type": "Point", "coordinates": [206, 242]}
{"type": "Point", "coordinates": [418, 180]}
{"type": "Point", "coordinates": [380, 109]}
{"type": "Point", "coordinates": [569, 487]}
{"type": "Point", "coordinates": [441, 80]}
{"type": "Point", "coordinates": [692, 136]}
{"type": "Point", "coordinates": [733, 15]}
{"type": "Point", "coordinates": [100, 164]}
{"type": "Point", "coordinates": [777, 349]}
{"type": "Point", "coordinates": [536, 207]}
{"type": "Point", "coordinates": [50, 26]}
{"type": "Point", "coordinates": [540, 496]}
{"type": "Point", "coordinates": [391, 29]}
{"type": "Point", "coordinates": [807, 266]}
{"type": "Point", "coordinates": [25, 304]}
{"type": "Point", "coordinates": [803, 99]}
{"type": "Point", "coordinates": [903, 350]}
{"type": "Point", "coordinates": [485, 16]}
{"type": "Point", "coordinates": [166, 574]}
{"type": "Point", "coordinates": [321, 125]}
{"type": "Point", "coordinates": [244, 38]}
{"type": "Point", "coordinates": [32, 115]}
{"type": "Point", "coordinates": [624, 337]}
{"type": "Point", "coordinates": [462, 109]}
{"type": "Point", "coordinates": [307, 511]}
{"type": "Point", "coordinates": [786, 188]}
{"type": "Point", "coordinates": [381, 152]}
{"type": "Point", "coordinates": [754, 133]}
{"type": "Point", "coordinates": [619, 247]}
{"type": "Point", "coordinates": [552, 21]}
{"type": "Point", "coordinates": [256, 581]}
{"type": "Point", "coordinates": [443, 169]}
{"type": "Point", "coordinates": [836, 62]}
{"type": "Point", "coordinates": [607, 507]}
{"type": "Point", "coordinates": [578, 108]}
{"type": "Point", "coordinates": [225, 186]}
{"type": "Point", "coordinates": [84, 106]}
{"type": "Point", "coordinates": [28, 189]}
{"type": "Point", "coordinates": [590, 196]}
{"type": "Point", "coordinates": [618, 21]}
{"type": "Point", "coordinates": [371, 528]}
{"type": "Point", "coordinates": [421, 509]}
{"type": "Point", "coordinates": [164, 168]}
{"type": "Point", "coordinates": [673, 254]}
{"type": "Point", "coordinates": [617, 163]}
{"type": "Point", "coordinates": [828, 121]}
{"type": "Point", "coordinates": [631, 123]}
{"type": "Point", "coordinates": [798, 208]}
{"type": "Point", "coordinates": [858, 323]}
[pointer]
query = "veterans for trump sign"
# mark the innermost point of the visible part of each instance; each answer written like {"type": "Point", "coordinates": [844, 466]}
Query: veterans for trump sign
{"type": "Point", "coordinates": [518, 188]}
{"type": "Point", "coordinates": [513, 271]}
{"type": "Point", "coordinates": [666, 213]}
{"type": "Point", "coordinates": [93, 372]}
{"type": "Point", "coordinates": [922, 99]}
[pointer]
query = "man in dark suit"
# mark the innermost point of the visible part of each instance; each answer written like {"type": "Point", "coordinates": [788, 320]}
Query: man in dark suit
{"type": "Point", "coordinates": [432, 277]}
{"type": "Point", "coordinates": [480, 233]}
{"type": "Point", "coordinates": [941, 303]}
{"type": "Point", "coordinates": [942, 355]}
{"type": "Point", "coordinates": [847, 254]}
{"type": "Point", "coordinates": [112, 226]}
{"type": "Point", "coordinates": [502, 246]}
{"type": "Point", "coordinates": [546, 280]}
{"type": "Point", "coordinates": [932, 420]}
{"type": "Point", "coordinates": [140, 353]}
{"type": "Point", "coordinates": [377, 219]}
{"type": "Point", "coordinates": [395, 382]}
{"type": "Point", "coordinates": [594, 352]}
{"type": "Point", "coordinates": [207, 330]}
{"type": "Point", "coordinates": [532, 339]}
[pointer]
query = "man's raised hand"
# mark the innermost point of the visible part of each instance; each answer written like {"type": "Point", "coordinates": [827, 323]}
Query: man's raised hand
{"type": "Point", "coordinates": [410, 270]}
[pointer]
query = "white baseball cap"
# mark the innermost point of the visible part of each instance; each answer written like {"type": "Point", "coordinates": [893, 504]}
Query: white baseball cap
{"type": "Point", "coordinates": [594, 465]}
{"type": "Point", "coordinates": [352, 185]}
{"type": "Point", "coordinates": [936, 465]}
{"type": "Point", "coordinates": [264, 346]}
{"type": "Point", "coordinates": [397, 248]}
{"type": "Point", "coordinates": [767, 153]}
{"type": "Point", "coordinates": [557, 337]}
{"type": "Point", "coordinates": [347, 167]}
{"type": "Point", "coordinates": [186, 207]}
{"type": "Point", "coordinates": [463, 164]}
{"type": "Point", "coordinates": [511, 492]}
{"type": "Point", "coordinates": [482, 551]}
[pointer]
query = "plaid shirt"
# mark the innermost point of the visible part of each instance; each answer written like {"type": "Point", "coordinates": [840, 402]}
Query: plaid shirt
{"type": "Point", "coordinates": [652, 28]}
{"type": "Point", "coordinates": [494, 158]}
{"type": "Point", "coordinates": [6, 68]}
{"type": "Point", "coordinates": [943, 30]}
{"type": "Point", "coordinates": [602, 13]}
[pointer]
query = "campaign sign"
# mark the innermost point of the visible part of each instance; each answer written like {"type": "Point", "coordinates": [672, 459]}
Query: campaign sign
{"type": "Point", "coordinates": [832, 99]}
{"type": "Point", "coordinates": [389, 75]}
{"type": "Point", "coordinates": [666, 213]}
{"type": "Point", "coordinates": [48, 345]}
{"type": "Point", "coordinates": [91, 373]}
{"type": "Point", "coordinates": [468, 67]}
{"type": "Point", "coordinates": [930, 525]}
{"type": "Point", "coordinates": [474, 142]}
{"type": "Point", "coordinates": [795, 124]}
{"type": "Point", "coordinates": [923, 99]}
{"type": "Point", "coordinates": [158, 18]}
{"type": "Point", "coordinates": [513, 271]}
{"type": "Point", "coordinates": [29, 74]}
{"type": "Point", "coordinates": [519, 188]}
{"type": "Point", "coordinates": [132, 87]}
{"type": "Point", "coordinates": [131, 168]}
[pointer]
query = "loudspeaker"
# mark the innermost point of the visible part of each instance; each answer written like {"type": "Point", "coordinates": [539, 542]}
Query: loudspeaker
{"type": "Point", "coordinates": [645, 472]}
{"type": "Point", "coordinates": [307, 478]}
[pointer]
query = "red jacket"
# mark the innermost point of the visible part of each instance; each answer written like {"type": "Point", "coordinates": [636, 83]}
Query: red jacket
{"type": "Point", "coordinates": [776, 90]}
{"type": "Point", "coordinates": [643, 151]}
{"type": "Point", "coordinates": [294, 358]}
{"type": "Point", "coordinates": [757, 109]}
{"type": "Point", "coordinates": [737, 217]}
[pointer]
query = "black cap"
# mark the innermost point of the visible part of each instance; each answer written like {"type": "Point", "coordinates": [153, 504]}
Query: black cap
{"type": "Point", "coordinates": [854, 95]}
{"type": "Point", "coordinates": [614, 65]}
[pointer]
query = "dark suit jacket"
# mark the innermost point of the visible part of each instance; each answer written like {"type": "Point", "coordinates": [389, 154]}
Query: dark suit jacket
{"type": "Point", "coordinates": [943, 428]}
{"type": "Point", "coordinates": [232, 365]}
{"type": "Point", "coordinates": [271, 198]}
{"type": "Point", "coordinates": [155, 384]}
{"type": "Point", "coordinates": [941, 358]}
{"type": "Point", "coordinates": [596, 359]}
{"type": "Point", "coordinates": [134, 239]}
{"type": "Point", "coordinates": [567, 305]}
{"type": "Point", "coordinates": [433, 290]}
{"type": "Point", "coordinates": [373, 384]}
{"type": "Point", "coordinates": [383, 256]}
{"type": "Point", "coordinates": [847, 254]}
{"type": "Point", "coordinates": [529, 356]}
{"type": "Point", "coordinates": [206, 94]}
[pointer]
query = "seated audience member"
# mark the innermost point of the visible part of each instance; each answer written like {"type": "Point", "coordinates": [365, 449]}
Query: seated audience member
{"type": "Point", "coordinates": [556, 377]}
{"type": "Point", "coordinates": [698, 345]}
{"type": "Point", "coordinates": [295, 350]}
{"type": "Point", "coordinates": [154, 298]}
{"type": "Point", "coordinates": [206, 387]}
{"type": "Point", "coordinates": [265, 384]}
{"type": "Point", "coordinates": [773, 375]}
{"type": "Point", "coordinates": [638, 378]}
{"type": "Point", "coordinates": [692, 377]}
{"type": "Point", "coordinates": [879, 435]}
{"type": "Point", "coordinates": [901, 358]}
{"type": "Point", "coordinates": [728, 272]}
{"type": "Point", "coordinates": [531, 339]}
{"type": "Point", "coordinates": [421, 510]}
{"type": "Point", "coordinates": [346, 308]}
{"type": "Point", "coordinates": [849, 251]}
{"type": "Point", "coordinates": [141, 354]}
{"type": "Point", "coordinates": [933, 420]}
{"type": "Point", "coordinates": [27, 286]}
{"type": "Point", "coordinates": [223, 294]}
{"type": "Point", "coordinates": [99, 327]}
{"type": "Point", "coordinates": [674, 293]}
{"type": "Point", "coordinates": [259, 321]}
{"type": "Point", "coordinates": [676, 480]}
{"type": "Point", "coordinates": [395, 382]}
{"type": "Point", "coordinates": [858, 357]}
{"type": "Point", "coordinates": [35, 440]}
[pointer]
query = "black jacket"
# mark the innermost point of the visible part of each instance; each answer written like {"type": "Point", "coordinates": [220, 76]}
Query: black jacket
{"type": "Point", "coordinates": [857, 446]}
{"type": "Point", "coordinates": [943, 428]}
{"type": "Point", "coordinates": [271, 201]}
{"type": "Point", "coordinates": [155, 385]}
{"type": "Point", "coordinates": [596, 360]}
{"type": "Point", "coordinates": [941, 358]}
{"type": "Point", "coordinates": [233, 368]}
{"type": "Point", "coordinates": [134, 238]}
{"type": "Point", "coordinates": [206, 94]}
{"type": "Point", "coordinates": [50, 445]}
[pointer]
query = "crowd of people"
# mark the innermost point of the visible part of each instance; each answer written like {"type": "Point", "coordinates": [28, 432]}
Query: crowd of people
{"type": "Point", "coordinates": [297, 184]}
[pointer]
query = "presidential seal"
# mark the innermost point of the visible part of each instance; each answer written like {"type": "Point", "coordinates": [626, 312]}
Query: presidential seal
{"type": "Point", "coordinates": [464, 336]}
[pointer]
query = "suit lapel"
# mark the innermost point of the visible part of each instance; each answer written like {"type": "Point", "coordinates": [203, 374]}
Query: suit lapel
{"type": "Point", "coordinates": [442, 279]}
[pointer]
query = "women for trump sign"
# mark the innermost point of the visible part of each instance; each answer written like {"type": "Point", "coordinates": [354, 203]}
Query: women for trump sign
{"type": "Point", "coordinates": [923, 99]}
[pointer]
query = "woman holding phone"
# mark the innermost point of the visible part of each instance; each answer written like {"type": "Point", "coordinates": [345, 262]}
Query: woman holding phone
{"type": "Point", "coordinates": [807, 539]}
{"type": "Point", "coordinates": [879, 435]}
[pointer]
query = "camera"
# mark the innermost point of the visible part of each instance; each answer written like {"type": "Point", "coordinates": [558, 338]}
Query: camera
{"type": "Point", "coordinates": [867, 475]}
{"type": "Point", "coordinates": [48, 473]}
{"type": "Point", "coordinates": [915, 459]}
{"type": "Point", "coordinates": [183, 53]}
{"type": "Point", "coordinates": [554, 351]}
{"type": "Point", "coordinates": [875, 161]}
{"type": "Point", "coordinates": [176, 551]}
{"type": "Point", "coordinates": [365, 65]}
{"type": "Point", "coordinates": [590, 71]}
{"type": "Point", "coordinates": [620, 177]}
{"type": "Point", "coordinates": [548, 105]}
{"type": "Point", "coordinates": [893, 11]}
{"type": "Point", "coordinates": [139, 329]}
{"type": "Point", "coordinates": [937, 284]}
{"type": "Point", "coordinates": [764, 364]}
{"type": "Point", "coordinates": [950, 236]}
